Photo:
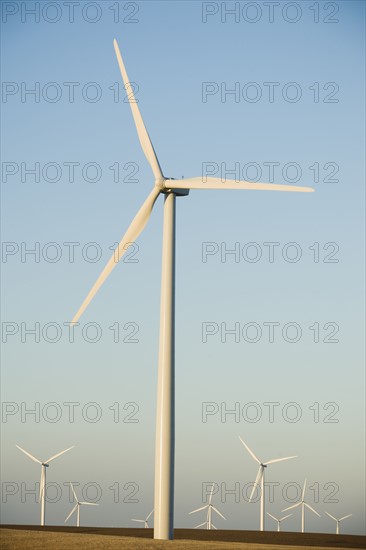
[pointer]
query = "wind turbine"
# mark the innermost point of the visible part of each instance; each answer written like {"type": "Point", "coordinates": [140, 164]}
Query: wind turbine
{"type": "Point", "coordinates": [144, 521]}
{"type": "Point", "coordinates": [279, 520]}
{"type": "Point", "coordinates": [338, 520]}
{"type": "Point", "coordinates": [42, 484]}
{"type": "Point", "coordinates": [210, 508]}
{"type": "Point", "coordinates": [170, 188]}
{"type": "Point", "coordinates": [303, 504]}
{"type": "Point", "coordinates": [260, 479]}
{"type": "Point", "coordinates": [77, 507]}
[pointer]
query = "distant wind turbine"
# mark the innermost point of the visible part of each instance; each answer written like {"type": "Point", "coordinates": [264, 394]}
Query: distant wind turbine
{"type": "Point", "coordinates": [170, 188]}
{"type": "Point", "coordinates": [77, 507]}
{"type": "Point", "coordinates": [259, 480]}
{"type": "Point", "coordinates": [210, 508]}
{"type": "Point", "coordinates": [338, 520]}
{"type": "Point", "coordinates": [144, 521]}
{"type": "Point", "coordinates": [303, 504]}
{"type": "Point", "coordinates": [279, 520]}
{"type": "Point", "coordinates": [42, 484]}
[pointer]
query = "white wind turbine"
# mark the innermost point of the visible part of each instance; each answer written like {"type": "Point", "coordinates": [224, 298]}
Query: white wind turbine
{"type": "Point", "coordinates": [144, 521]}
{"type": "Point", "coordinates": [170, 188]}
{"type": "Point", "coordinates": [210, 508]}
{"type": "Point", "coordinates": [259, 480]}
{"type": "Point", "coordinates": [303, 505]}
{"type": "Point", "coordinates": [279, 520]}
{"type": "Point", "coordinates": [42, 484]}
{"type": "Point", "coordinates": [338, 520]}
{"type": "Point", "coordinates": [77, 507]}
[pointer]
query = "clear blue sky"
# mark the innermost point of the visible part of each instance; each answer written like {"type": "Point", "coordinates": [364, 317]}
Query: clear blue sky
{"type": "Point", "coordinates": [171, 53]}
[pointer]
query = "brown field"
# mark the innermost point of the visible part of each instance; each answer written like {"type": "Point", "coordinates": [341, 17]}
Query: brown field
{"type": "Point", "coordinates": [27, 537]}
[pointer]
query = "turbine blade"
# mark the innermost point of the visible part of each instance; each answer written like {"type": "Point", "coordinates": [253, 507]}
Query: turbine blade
{"type": "Point", "coordinates": [212, 525]}
{"type": "Point", "coordinates": [344, 517]}
{"type": "Point", "coordinates": [280, 459]}
{"type": "Point", "coordinates": [73, 490]}
{"type": "Point", "coordinates": [217, 512]}
{"type": "Point", "coordinates": [133, 231]}
{"type": "Point", "coordinates": [199, 509]}
{"type": "Point", "coordinates": [285, 517]}
{"type": "Point", "coordinates": [28, 454]}
{"type": "Point", "coordinates": [139, 520]}
{"type": "Point", "coordinates": [201, 524]}
{"type": "Point", "coordinates": [217, 183]}
{"type": "Point", "coordinates": [249, 451]}
{"type": "Point", "coordinates": [212, 488]}
{"type": "Point", "coordinates": [312, 509]}
{"type": "Point", "coordinates": [89, 503]}
{"type": "Point", "coordinates": [330, 515]}
{"type": "Point", "coordinates": [257, 480]}
{"type": "Point", "coordinates": [41, 484]}
{"type": "Point", "coordinates": [144, 138]}
{"type": "Point", "coordinates": [303, 491]}
{"type": "Point", "coordinates": [272, 516]}
{"type": "Point", "coordinates": [58, 454]}
{"type": "Point", "coordinates": [72, 511]}
{"type": "Point", "coordinates": [291, 507]}
{"type": "Point", "coordinates": [152, 511]}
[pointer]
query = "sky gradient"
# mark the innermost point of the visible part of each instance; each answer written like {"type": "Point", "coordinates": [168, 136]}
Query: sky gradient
{"type": "Point", "coordinates": [283, 272]}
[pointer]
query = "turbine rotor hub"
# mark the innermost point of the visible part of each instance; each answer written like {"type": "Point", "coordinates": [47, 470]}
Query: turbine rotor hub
{"type": "Point", "coordinates": [163, 186]}
{"type": "Point", "coordinates": [159, 182]}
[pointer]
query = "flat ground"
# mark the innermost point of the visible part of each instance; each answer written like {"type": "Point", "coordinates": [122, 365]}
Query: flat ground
{"type": "Point", "coordinates": [22, 537]}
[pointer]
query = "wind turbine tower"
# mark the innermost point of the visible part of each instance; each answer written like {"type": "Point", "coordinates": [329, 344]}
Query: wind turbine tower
{"type": "Point", "coordinates": [77, 507]}
{"type": "Point", "coordinates": [303, 505]}
{"type": "Point", "coordinates": [259, 480]}
{"type": "Point", "coordinates": [170, 188]}
{"type": "Point", "coordinates": [210, 509]}
{"type": "Point", "coordinates": [42, 484]}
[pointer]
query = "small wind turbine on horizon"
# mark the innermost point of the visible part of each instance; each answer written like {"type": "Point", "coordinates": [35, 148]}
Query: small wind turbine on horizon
{"type": "Point", "coordinates": [170, 188]}
{"type": "Point", "coordinates": [303, 505]}
{"type": "Point", "coordinates": [210, 508]}
{"type": "Point", "coordinates": [259, 480]}
{"type": "Point", "coordinates": [338, 520]}
{"type": "Point", "coordinates": [77, 507]}
{"type": "Point", "coordinates": [42, 484]}
{"type": "Point", "coordinates": [144, 521]}
{"type": "Point", "coordinates": [279, 520]}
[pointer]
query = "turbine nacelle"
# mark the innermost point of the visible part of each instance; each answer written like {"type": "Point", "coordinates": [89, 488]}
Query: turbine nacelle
{"type": "Point", "coordinates": [163, 185]}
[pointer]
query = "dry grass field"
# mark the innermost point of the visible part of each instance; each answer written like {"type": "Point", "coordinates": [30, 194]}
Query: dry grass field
{"type": "Point", "coordinates": [32, 537]}
{"type": "Point", "coordinates": [12, 539]}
